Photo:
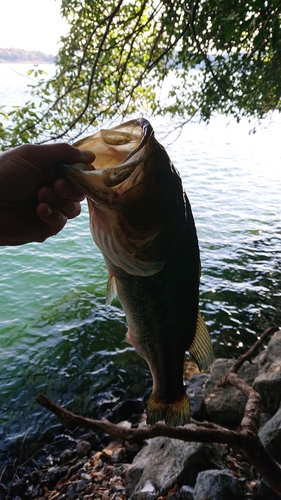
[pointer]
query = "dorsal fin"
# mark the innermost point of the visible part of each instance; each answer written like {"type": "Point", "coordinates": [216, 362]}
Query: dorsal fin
{"type": "Point", "coordinates": [201, 348]}
{"type": "Point", "coordinates": [111, 291]}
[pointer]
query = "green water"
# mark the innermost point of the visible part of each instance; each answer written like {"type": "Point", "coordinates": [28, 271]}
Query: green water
{"type": "Point", "coordinates": [58, 337]}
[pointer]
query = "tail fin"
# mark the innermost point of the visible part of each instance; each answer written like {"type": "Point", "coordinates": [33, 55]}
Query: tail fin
{"type": "Point", "coordinates": [173, 414]}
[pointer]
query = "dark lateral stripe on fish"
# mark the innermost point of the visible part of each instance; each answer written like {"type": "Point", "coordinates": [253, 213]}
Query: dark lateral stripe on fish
{"type": "Point", "coordinates": [174, 414]}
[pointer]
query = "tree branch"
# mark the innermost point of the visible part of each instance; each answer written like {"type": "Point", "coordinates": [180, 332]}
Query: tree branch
{"type": "Point", "coordinates": [205, 57]}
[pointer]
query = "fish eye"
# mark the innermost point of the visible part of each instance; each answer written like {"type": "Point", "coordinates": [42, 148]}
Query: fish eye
{"type": "Point", "coordinates": [162, 178]}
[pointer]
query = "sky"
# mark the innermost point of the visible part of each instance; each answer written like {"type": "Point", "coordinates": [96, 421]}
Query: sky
{"type": "Point", "coordinates": [31, 25]}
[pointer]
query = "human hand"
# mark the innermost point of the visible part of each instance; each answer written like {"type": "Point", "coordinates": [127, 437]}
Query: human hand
{"type": "Point", "coordinates": [35, 202]}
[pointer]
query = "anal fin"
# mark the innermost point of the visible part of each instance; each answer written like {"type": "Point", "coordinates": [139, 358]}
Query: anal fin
{"type": "Point", "coordinates": [201, 348]}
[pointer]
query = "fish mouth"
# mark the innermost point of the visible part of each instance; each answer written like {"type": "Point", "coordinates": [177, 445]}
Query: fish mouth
{"type": "Point", "coordinates": [119, 151]}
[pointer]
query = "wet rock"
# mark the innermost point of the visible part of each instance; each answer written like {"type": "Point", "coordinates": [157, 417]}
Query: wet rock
{"type": "Point", "coordinates": [147, 492]}
{"type": "Point", "coordinates": [3, 490]}
{"type": "Point", "coordinates": [165, 462]}
{"type": "Point", "coordinates": [132, 450]}
{"type": "Point", "coordinates": [76, 488]}
{"type": "Point", "coordinates": [129, 409]}
{"type": "Point", "coordinates": [270, 436]}
{"type": "Point", "coordinates": [81, 486]}
{"type": "Point", "coordinates": [118, 455]}
{"type": "Point", "coordinates": [216, 485]}
{"type": "Point", "coordinates": [146, 496]}
{"type": "Point", "coordinates": [37, 477]}
{"type": "Point", "coordinates": [226, 405]}
{"type": "Point", "coordinates": [83, 448]}
{"type": "Point", "coordinates": [184, 493]}
{"type": "Point", "coordinates": [194, 390]}
{"type": "Point", "coordinates": [55, 473]}
{"type": "Point", "coordinates": [85, 477]}
{"type": "Point", "coordinates": [113, 448]}
{"type": "Point", "coordinates": [19, 488]}
{"type": "Point", "coordinates": [264, 492]}
{"type": "Point", "coordinates": [268, 380]}
{"type": "Point", "coordinates": [66, 456]}
{"type": "Point", "coordinates": [35, 491]}
{"type": "Point", "coordinates": [93, 439]}
{"type": "Point", "coordinates": [71, 492]}
{"type": "Point", "coordinates": [76, 467]}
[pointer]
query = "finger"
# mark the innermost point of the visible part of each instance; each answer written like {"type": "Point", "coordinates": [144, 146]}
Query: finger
{"type": "Point", "coordinates": [52, 217]}
{"type": "Point", "coordinates": [69, 208]}
{"type": "Point", "coordinates": [47, 156]}
{"type": "Point", "coordinates": [65, 189]}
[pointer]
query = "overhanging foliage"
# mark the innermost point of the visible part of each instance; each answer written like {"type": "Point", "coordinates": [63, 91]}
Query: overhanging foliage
{"type": "Point", "coordinates": [116, 57]}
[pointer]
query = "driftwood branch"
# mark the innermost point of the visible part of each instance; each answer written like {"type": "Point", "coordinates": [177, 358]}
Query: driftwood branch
{"type": "Point", "coordinates": [251, 418]}
{"type": "Point", "coordinates": [246, 436]}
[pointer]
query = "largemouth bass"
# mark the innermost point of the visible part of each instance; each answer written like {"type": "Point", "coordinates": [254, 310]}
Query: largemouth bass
{"type": "Point", "coordinates": [141, 220]}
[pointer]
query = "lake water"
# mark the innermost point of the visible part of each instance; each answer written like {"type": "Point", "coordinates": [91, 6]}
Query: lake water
{"type": "Point", "coordinates": [57, 336]}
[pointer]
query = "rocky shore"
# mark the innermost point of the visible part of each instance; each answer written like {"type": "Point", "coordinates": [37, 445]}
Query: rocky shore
{"type": "Point", "coordinates": [92, 465]}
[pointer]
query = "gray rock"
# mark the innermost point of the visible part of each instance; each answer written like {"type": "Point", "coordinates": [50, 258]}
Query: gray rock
{"type": "Point", "coordinates": [81, 486]}
{"type": "Point", "coordinates": [85, 477]}
{"type": "Point", "coordinates": [55, 473]}
{"type": "Point", "coordinates": [132, 450]}
{"type": "Point", "coordinates": [83, 448]}
{"type": "Point", "coordinates": [66, 456]}
{"type": "Point", "coordinates": [226, 405]}
{"type": "Point", "coordinates": [76, 467]}
{"type": "Point", "coordinates": [186, 489]}
{"type": "Point", "coordinates": [164, 462]}
{"type": "Point", "coordinates": [148, 487]}
{"type": "Point", "coordinates": [3, 490]}
{"type": "Point", "coordinates": [270, 436]}
{"type": "Point", "coordinates": [91, 438]}
{"type": "Point", "coordinates": [118, 456]}
{"type": "Point", "coordinates": [217, 485]}
{"type": "Point", "coordinates": [75, 490]}
{"type": "Point", "coordinates": [146, 495]}
{"type": "Point", "coordinates": [184, 493]}
{"type": "Point", "coordinates": [71, 493]}
{"type": "Point", "coordinates": [194, 390]}
{"type": "Point", "coordinates": [268, 380]}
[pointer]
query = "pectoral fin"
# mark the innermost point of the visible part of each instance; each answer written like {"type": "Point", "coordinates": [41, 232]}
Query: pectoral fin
{"type": "Point", "coordinates": [201, 348]}
{"type": "Point", "coordinates": [111, 291]}
{"type": "Point", "coordinates": [127, 338]}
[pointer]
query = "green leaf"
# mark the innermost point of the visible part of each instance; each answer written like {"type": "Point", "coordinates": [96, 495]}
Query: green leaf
{"type": "Point", "coordinates": [259, 39]}
{"type": "Point", "coordinates": [228, 31]}
{"type": "Point", "coordinates": [275, 34]}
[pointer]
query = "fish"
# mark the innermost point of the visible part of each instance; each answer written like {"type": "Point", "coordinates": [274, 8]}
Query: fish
{"type": "Point", "coordinates": [141, 220]}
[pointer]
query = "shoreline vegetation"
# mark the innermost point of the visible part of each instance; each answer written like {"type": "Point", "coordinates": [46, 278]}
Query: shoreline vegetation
{"type": "Point", "coordinates": [21, 56]}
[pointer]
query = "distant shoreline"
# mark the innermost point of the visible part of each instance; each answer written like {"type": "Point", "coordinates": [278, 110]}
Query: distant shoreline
{"type": "Point", "coordinates": [20, 56]}
{"type": "Point", "coordinates": [26, 62]}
